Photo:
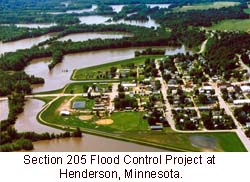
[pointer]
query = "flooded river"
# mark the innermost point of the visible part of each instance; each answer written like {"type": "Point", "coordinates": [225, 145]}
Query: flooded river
{"type": "Point", "coordinates": [96, 19]}
{"type": "Point", "coordinates": [27, 120]}
{"type": "Point", "coordinates": [29, 42]}
{"type": "Point", "coordinates": [91, 143]}
{"type": "Point", "coordinates": [98, 35]}
{"type": "Point", "coordinates": [22, 44]}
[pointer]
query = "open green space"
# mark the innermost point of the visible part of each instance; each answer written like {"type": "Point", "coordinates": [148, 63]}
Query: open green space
{"type": "Point", "coordinates": [126, 121]}
{"type": "Point", "coordinates": [226, 141]}
{"type": "Point", "coordinates": [130, 126]}
{"type": "Point", "coordinates": [232, 25]}
{"type": "Point", "coordinates": [206, 6]}
{"type": "Point", "coordinates": [98, 72]}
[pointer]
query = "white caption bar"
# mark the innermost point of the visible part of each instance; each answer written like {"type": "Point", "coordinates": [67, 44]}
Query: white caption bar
{"type": "Point", "coordinates": [113, 167]}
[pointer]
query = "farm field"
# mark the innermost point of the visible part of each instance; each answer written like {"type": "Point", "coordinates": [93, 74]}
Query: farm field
{"type": "Point", "coordinates": [232, 25]}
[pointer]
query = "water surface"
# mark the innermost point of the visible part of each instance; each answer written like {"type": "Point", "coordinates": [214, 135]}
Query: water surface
{"type": "Point", "coordinates": [22, 44]}
{"type": "Point", "coordinates": [95, 35]}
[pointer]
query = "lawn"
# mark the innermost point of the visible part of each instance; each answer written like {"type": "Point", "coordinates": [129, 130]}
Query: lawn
{"type": "Point", "coordinates": [227, 141]}
{"type": "Point", "coordinates": [98, 72]}
{"type": "Point", "coordinates": [232, 25]}
{"type": "Point", "coordinates": [205, 6]}
{"type": "Point", "coordinates": [130, 126]}
{"type": "Point", "coordinates": [126, 121]}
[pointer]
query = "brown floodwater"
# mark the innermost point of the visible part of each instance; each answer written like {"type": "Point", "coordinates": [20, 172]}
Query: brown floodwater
{"type": "Point", "coordinates": [4, 109]}
{"type": "Point", "coordinates": [29, 42]}
{"type": "Point", "coordinates": [95, 35]}
{"type": "Point", "coordinates": [91, 143]}
{"type": "Point", "coordinates": [22, 44]}
{"type": "Point", "coordinates": [97, 19]}
{"type": "Point", "coordinates": [60, 75]}
{"type": "Point", "coordinates": [27, 120]}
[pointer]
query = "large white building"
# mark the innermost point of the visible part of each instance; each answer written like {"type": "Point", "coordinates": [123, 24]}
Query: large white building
{"type": "Point", "coordinates": [242, 101]}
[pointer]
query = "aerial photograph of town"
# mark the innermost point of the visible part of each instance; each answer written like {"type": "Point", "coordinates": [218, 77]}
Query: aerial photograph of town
{"type": "Point", "coordinates": [125, 75]}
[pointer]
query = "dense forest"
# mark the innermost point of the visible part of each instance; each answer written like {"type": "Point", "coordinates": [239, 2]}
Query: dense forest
{"type": "Point", "coordinates": [221, 51]}
{"type": "Point", "coordinates": [18, 82]}
{"type": "Point", "coordinates": [13, 33]}
{"type": "Point", "coordinates": [198, 17]}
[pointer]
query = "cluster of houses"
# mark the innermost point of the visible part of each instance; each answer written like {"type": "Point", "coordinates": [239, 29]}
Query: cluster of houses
{"type": "Point", "coordinates": [235, 94]}
{"type": "Point", "coordinates": [177, 97]}
{"type": "Point", "coordinates": [186, 119]}
{"type": "Point", "coordinates": [217, 119]}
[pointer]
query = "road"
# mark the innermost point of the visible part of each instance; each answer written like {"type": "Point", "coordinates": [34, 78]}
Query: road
{"type": "Point", "coordinates": [224, 105]}
{"type": "Point", "coordinates": [164, 89]}
{"type": "Point", "coordinates": [203, 46]}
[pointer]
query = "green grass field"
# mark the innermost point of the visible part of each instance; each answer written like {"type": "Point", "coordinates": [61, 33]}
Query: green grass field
{"type": "Point", "coordinates": [130, 126]}
{"type": "Point", "coordinates": [126, 121]}
{"type": "Point", "coordinates": [91, 73]}
{"type": "Point", "coordinates": [205, 6]}
{"type": "Point", "coordinates": [232, 25]}
{"type": "Point", "coordinates": [224, 141]}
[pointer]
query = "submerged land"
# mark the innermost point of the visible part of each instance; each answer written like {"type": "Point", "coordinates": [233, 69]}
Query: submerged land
{"type": "Point", "coordinates": [181, 85]}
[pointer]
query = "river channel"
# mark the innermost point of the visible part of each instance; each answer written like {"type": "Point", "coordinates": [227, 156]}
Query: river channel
{"type": "Point", "coordinates": [29, 42]}
{"type": "Point", "coordinates": [57, 78]}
